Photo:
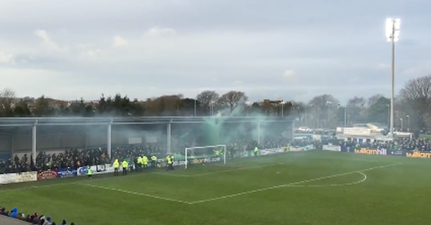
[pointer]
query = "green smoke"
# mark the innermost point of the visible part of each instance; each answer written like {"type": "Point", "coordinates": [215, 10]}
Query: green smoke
{"type": "Point", "coordinates": [210, 131]}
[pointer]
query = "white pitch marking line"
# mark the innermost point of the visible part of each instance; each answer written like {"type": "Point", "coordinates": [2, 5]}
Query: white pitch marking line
{"type": "Point", "coordinates": [217, 172]}
{"type": "Point", "coordinates": [333, 185]}
{"type": "Point", "coordinates": [133, 193]}
{"type": "Point", "coordinates": [341, 159]}
{"type": "Point", "coordinates": [38, 186]}
{"type": "Point", "coordinates": [289, 184]}
{"type": "Point", "coordinates": [71, 182]}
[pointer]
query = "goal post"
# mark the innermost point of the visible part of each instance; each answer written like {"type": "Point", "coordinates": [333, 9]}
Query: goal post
{"type": "Point", "coordinates": [205, 154]}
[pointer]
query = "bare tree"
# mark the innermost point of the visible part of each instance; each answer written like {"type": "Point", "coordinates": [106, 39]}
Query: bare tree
{"type": "Point", "coordinates": [232, 99]}
{"type": "Point", "coordinates": [267, 107]}
{"type": "Point", "coordinates": [207, 99]}
{"type": "Point", "coordinates": [7, 98]}
{"type": "Point", "coordinates": [356, 102]}
{"type": "Point", "coordinates": [298, 109]}
{"type": "Point", "coordinates": [356, 109]}
{"type": "Point", "coordinates": [374, 99]}
{"type": "Point", "coordinates": [323, 106]}
{"type": "Point", "coordinates": [167, 105]}
{"type": "Point", "coordinates": [322, 101]}
{"type": "Point", "coordinates": [42, 107]}
{"type": "Point", "coordinates": [417, 95]}
{"type": "Point", "coordinates": [379, 111]}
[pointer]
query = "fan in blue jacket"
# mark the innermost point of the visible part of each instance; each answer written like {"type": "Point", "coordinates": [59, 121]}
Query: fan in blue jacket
{"type": "Point", "coordinates": [14, 212]}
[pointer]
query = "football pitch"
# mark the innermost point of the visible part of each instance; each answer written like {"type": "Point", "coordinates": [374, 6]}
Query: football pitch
{"type": "Point", "coordinates": [304, 188]}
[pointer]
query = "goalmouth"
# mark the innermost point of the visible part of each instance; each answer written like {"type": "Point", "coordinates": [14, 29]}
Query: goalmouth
{"type": "Point", "coordinates": [205, 154]}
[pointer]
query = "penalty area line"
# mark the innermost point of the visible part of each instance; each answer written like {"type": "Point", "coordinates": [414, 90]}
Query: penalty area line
{"type": "Point", "coordinates": [132, 193]}
{"type": "Point", "coordinates": [290, 184]}
{"type": "Point", "coordinates": [217, 172]}
{"type": "Point", "coordinates": [364, 178]}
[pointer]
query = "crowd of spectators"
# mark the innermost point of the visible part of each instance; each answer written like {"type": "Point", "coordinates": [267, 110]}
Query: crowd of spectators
{"type": "Point", "coordinates": [402, 144]}
{"type": "Point", "coordinates": [74, 158]}
{"type": "Point", "coordinates": [33, 219]}
{"type": "Point", "coordinates": [44, 161]}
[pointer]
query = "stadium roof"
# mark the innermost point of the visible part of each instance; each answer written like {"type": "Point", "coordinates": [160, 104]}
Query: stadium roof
{"type": "Point", "coordinates": [70, 121]}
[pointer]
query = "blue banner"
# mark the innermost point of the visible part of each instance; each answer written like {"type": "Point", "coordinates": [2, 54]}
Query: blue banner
{"type": "Point", "coordinates": [5, 156]}
{"type": "Point", "coordinates": [83, 170]}
{"type": "Point", "coordinates": [69, 172]}
{"type": "Point", "coordinates": [397, 153]}
{"type": "Point", "coordinates": [346, 149]}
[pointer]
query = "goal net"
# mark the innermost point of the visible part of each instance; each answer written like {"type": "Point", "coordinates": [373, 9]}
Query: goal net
{"type": "Point", "coordinates": [205, 154]}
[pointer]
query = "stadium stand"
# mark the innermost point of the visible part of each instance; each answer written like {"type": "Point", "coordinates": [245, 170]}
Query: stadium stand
{"type": "Point", "coordinates": [401, 144]}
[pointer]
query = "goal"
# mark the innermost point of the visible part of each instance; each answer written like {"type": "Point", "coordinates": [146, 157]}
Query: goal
{"type": "Point", "coordinates": [205, 154]}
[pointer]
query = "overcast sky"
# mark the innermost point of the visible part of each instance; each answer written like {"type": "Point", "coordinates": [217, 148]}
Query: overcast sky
{"type": "Point", "coordinates": [269, 49]}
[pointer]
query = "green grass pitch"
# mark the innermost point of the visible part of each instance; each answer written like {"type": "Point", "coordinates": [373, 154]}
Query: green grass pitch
{"type": "Point", "coordinates": [305, 188]}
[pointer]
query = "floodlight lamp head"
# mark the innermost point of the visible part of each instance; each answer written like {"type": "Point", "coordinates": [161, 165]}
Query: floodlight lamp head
{"type": "Point", "coordinates": [392, 29]}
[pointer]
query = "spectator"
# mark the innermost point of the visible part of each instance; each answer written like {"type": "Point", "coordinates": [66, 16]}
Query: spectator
{"type": "Point", "coordinates": [47, 221]}
{"type": "Point", "coordinates": [14, 212]}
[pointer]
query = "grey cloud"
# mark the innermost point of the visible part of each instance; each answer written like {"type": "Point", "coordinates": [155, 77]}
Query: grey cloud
{"type": "Point", "coordinates": [333, 46]}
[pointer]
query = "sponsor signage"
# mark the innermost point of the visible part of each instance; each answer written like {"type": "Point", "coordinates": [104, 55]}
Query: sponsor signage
{"type": "Point", "coordinates": [69, 172]}
{"type": "Point", "coordinates": [194, 161]}
{"type": "Point", "coordinates": [99, 169]}
{"type": "Point", "coordinates": [7, 178]}
{"type": "Point", "coordinates": [47, 175]}
{"type": "Point", "coordinates": [397, 153]}
{"type": "Point", "coordinates": [358, 131]}
{"type": "Point", "coordinates": [304, 148]}
{"type": "Point", "coordinates": [410, 154]}
{"type": "Point", "coordinates": [331, 148]}
{"type": "Point", "coordinates": [308, 147]}
{"type": "Point", "coordinates": [371, 151]}
{"type": "Point", "coordinates": [82, 170]}
{"type": "Point", "coordinates": [346, 148]}
{"type": "Point", "coordinates": [272, 151]}
{"type": "Point", "coordinates": [403, 134]}
{"type": "Point", "coordinates": [207, 160]}
{"type": "Point", "coordinates": [25, 177]}
{"type": "Point", "coordinates": [418, 154]}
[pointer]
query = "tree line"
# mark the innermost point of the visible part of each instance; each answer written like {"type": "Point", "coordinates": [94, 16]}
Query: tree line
{"type": "Point", "coordinates": [412, 107]}
{"type": "Point", "coordinates": [205, 104]}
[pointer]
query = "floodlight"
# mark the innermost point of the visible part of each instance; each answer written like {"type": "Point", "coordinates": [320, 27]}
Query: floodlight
{"type": "Point", "coordinates": [392, 35]}
{"type": "Point", "coordinates": [392, 29]}
{"type": "Point", "coordinates": [388, 28]}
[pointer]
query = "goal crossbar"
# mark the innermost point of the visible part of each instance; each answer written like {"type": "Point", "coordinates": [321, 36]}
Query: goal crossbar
{"type": "Point", "coordinates": [203, 147]}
